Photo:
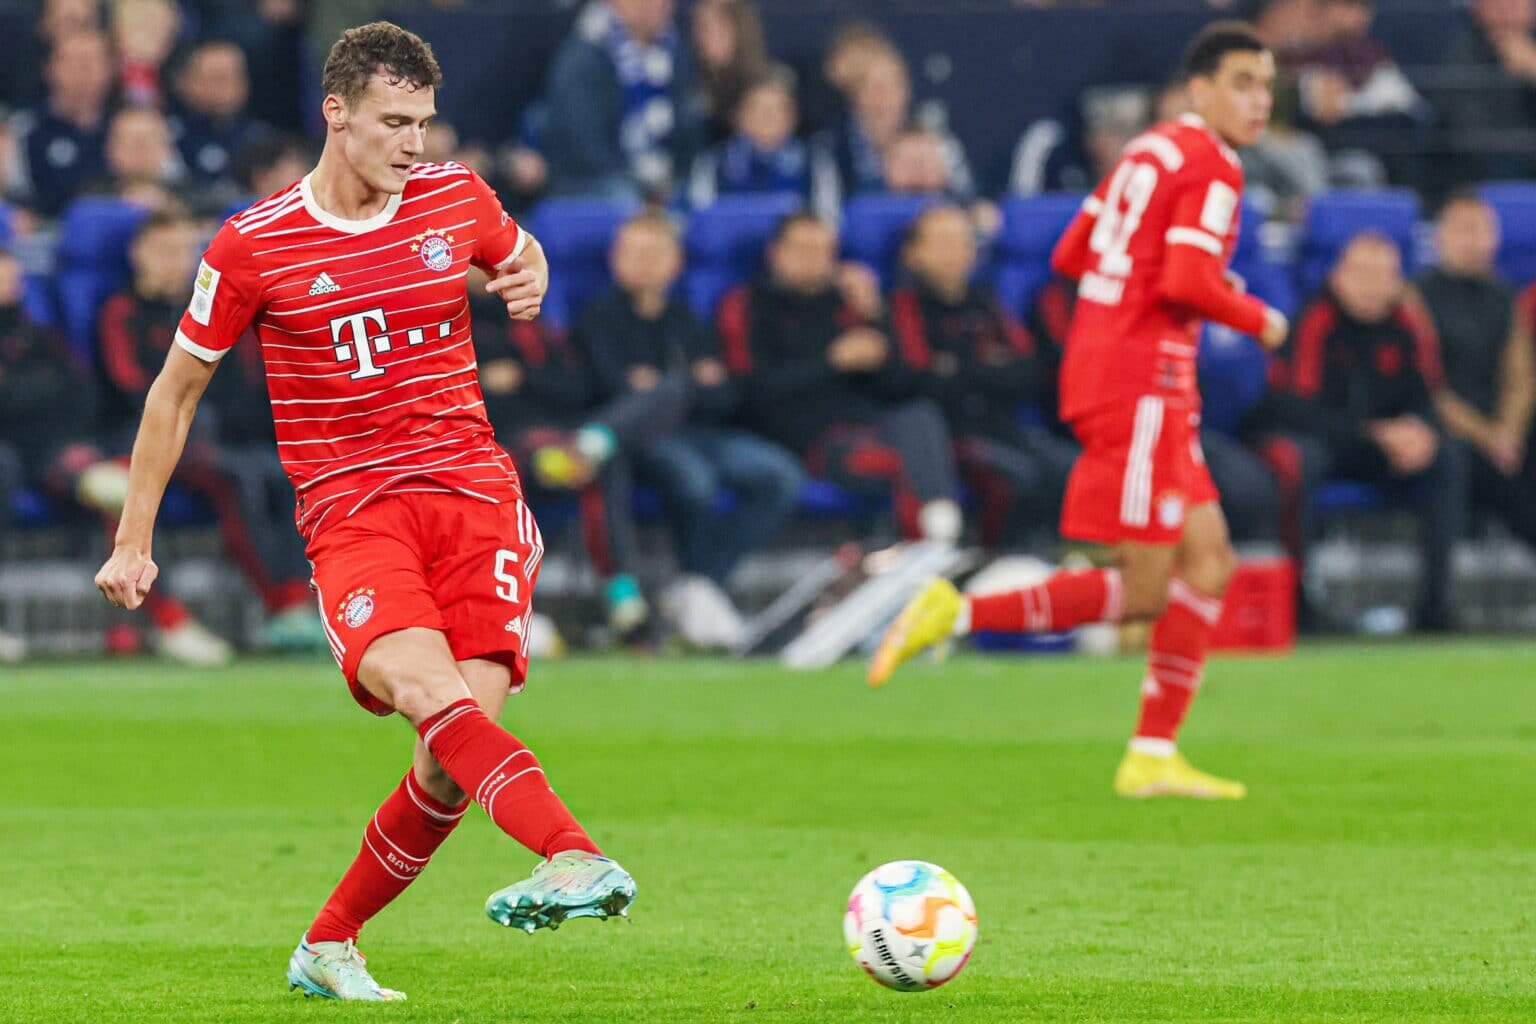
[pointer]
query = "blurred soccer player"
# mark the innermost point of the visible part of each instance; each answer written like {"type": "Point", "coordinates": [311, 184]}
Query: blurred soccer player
{"type": "Point", "coordinates": [1149, 250]}
{"type": "Point", "coordinates": [425, 555]}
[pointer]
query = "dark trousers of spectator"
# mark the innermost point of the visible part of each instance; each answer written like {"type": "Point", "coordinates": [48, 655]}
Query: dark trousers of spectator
{"type": "Point", "coordinates": [11, 482]}
{"type": "Point", "coordinates": [690, 468]}
{"type": "Point", "coordinates": [1511, 499]}
{"type": "Point", "coordinates": [252, 502]}
{"type": "Point", "coordinates": [905, 452]}
{"type": "Point", "coordinates": [1439, 496]}
{"type": "Point", "coordinates": [1020, 482]}
{"type": "Point", "coordinates": [607, 526]}
{"type": "Point", "coordinates": [1250, 494]}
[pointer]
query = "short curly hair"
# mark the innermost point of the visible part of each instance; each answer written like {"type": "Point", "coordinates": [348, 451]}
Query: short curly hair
{"type": "Point", "coordinates": [378, 48]}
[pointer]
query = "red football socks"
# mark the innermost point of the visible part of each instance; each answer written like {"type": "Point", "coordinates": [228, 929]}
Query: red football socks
{"type": "Point", "coordinates": [405, 831]}
{"type": "Point", "coordinates": [1175, 663]}
{"type": "Point", "coordinates": [1066, 600]}
{"type": "Point", "coordinates": [503, 777]}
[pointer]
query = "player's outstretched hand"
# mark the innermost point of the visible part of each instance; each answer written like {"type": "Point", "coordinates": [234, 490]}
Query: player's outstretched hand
{"type": "Point", "coordinates": [126, 578]}
{"type": "Point", "coordinates": [520, 288]}
{"type": "Point", "coordinates": [1276, 329]}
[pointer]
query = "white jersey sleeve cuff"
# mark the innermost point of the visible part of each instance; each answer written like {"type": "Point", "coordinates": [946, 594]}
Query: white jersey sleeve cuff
{"type": "Point", "coordinates": [1195, 237]}
{"type": "Point", "coordinates": [522, 243]}
{"type": "Point", "coordinates": [207, 355]}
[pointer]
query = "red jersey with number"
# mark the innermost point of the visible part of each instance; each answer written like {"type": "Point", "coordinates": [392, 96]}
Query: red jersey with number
{"type": "Point", "coordinates": [1177, 184]}
{"type": "Point", "coordinates": [365, 332]}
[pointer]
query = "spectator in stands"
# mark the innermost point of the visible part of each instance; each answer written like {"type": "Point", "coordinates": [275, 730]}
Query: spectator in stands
{"type": "Point", "coordinates": [1490, 366]}
{"type": "Point", "coordinates": [764, 156]}
{"type": "Point", "coordinates": [144, 34]}
{"type": "Point", "coordinates": [639, 336]}
{"type": "Point", "coordinates": [1250, 496]}
{"type": "Point", "coordinates": [621, 121]}
{"type": "Point", "coordinates": [268, 165]}
{"type": "Point", "coordinates": [48, 406]}
{"type": "Point", "coordinates": [817, 374]}
{"type": "Point", "coordinates": [210, 124]}
{"type": "Point", "coordinates": [979, 364]}
{"type": "Point", "coordinates": [828, 98]}
{"type": "Point", "coordinates": [1354, 393]}
{"type": "Point", "coordinates": [22, 77]}
{"type": "Point", "coordinates": [62, 143]}
{"type": "Point", "coordinates": [540, 398]}
{"type": "Point", "coordinates": [142, 165]}
{"type": "Point", "coordinates": [1352, 92]}
{"type": "Point", "coordinates": [881, 115]}
{"type": "Point", "coordinates": [731, 56]}
{"type": "Point", "coordinates": [231, 459]}
{"type": "Point", "coordinates": [1048, 159]}
{"type": "Point", "coordinates": [274, 35]}
{"type": "Point", "coordinates": [1490, 110]}
{"type": "Point", "coordinates": [443, 144]}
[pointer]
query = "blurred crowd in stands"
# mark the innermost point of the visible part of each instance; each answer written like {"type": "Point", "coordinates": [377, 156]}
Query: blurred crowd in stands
{"type": "Point", "coordinates": [916, 378]}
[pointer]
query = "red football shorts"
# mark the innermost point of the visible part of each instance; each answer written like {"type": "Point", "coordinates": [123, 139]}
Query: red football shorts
{"type": "Point", "coordinates": [440, 561]}
{"type": "Point", "coordinates": [1140, 473]}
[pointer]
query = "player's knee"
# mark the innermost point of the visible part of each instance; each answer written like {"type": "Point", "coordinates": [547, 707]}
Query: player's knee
{"type": "Point", "coordinates": [1212, 570]}
{"type": "Point", "coordinates": [1146, 597]}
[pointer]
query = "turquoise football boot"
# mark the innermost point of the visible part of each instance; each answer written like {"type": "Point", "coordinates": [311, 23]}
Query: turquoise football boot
{"type": "Point", "coordinates": [568, 885]}
{"type": "Point", "coordinates": [336, 970]}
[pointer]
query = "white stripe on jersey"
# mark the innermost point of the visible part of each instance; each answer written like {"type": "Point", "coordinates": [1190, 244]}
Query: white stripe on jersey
{"type": "Point", "coordinates": [1195, 237]}
{"type": "Point", "coordinates": [374, 394]}
{"type": "Point", "coordinates": [368, 412]}
{"type": "Point", "coordinates": [271, 216]}
{"type": "Point", "coordinates": [332, 238]}
{"type": "Point", "coordinates": [1136, 486]}
{"type": "Point", "coordinates": [420, 279]}
{"type": "Point", "coordinates": [425, 353]}
{"type": "Point", "coordinates": [265, 205]}
{"type": "Point", "coordinates": [264, 325]}
{"type": "Point", "coordinates": [436, 413]}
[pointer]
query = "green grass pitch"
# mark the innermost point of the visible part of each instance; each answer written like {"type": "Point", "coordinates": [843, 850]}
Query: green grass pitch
{"type": "Point", "coordinates": [168, 833]}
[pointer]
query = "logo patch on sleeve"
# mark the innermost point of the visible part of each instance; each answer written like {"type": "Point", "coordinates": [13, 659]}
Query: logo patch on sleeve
{"type": "Point", "coordinates": [202, 293]}
{"type": "Point", "coordinates": [1220, 206]}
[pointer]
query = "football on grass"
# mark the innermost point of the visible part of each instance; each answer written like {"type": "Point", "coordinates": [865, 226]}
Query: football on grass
{"type": "Point", "coordinates": [910, 924]}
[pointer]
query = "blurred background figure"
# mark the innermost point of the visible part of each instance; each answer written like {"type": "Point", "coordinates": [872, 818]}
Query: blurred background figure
{"type": "Point", "coordinates": [731, 56]}
{"type": "Point", "coordinates": [640, 339]}
{"type": "Point", "coordinates": [1490, 365]}
{"type": "Point", "coordinates": [621, 121]}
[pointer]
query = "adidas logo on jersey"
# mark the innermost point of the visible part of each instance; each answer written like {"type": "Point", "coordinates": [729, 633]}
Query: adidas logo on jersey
{"type": "Point", "coordinates": [324, 285]}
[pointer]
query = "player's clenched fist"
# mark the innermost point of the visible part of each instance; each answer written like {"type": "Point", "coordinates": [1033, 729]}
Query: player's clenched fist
{"type": "Point", "coordinates": [521, 289]}
{"type": "Point", "coordinates": [1276, 329]}
{"type": "Point", "coordinates": [126, 578]}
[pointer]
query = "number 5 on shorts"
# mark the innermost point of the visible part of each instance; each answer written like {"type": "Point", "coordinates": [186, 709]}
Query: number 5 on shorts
{"type": "Point", "coordinates": [505, 560]}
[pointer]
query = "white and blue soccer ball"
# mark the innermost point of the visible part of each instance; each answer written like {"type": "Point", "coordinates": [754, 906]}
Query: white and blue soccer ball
{"type": "Point", "coordinates": [910, 925]}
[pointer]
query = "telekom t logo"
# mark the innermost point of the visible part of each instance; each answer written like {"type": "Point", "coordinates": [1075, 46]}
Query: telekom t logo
{"type": "Point", "coordinates": [353, 338]}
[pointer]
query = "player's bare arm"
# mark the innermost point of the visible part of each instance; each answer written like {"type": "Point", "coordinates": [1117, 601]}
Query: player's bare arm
{"type": "Point", "coordinates": [127, 576]}
{"type": "Point", "coordinates": [523, 282]}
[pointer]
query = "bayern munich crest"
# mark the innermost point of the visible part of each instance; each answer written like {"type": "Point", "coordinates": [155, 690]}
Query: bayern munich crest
{"type": "Point", "coordinates": [356, 608]}
{"type": "Point", "coordinates": [435, 247]}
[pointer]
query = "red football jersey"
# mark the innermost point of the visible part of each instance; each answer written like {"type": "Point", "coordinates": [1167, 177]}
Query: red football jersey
{"type": "Point", "coordinates": [364, 328]}
{"type": "Point", "coordinates": [1177, 184]}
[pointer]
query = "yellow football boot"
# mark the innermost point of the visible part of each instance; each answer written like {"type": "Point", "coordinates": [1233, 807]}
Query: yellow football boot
{"type": "Point", "coordinates": [1143, 775]}
{"type": "Point", "coordinates": [927, 621]}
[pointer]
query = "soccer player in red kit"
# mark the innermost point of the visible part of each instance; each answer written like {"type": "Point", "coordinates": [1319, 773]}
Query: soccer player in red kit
{"type": "Point", "coordinates": [1149, 249]}
{"type": "Point", "coordinates": [425, 556]}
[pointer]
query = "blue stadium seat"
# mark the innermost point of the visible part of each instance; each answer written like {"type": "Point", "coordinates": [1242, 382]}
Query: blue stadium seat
{"type": "Point", "coordinates": [1346, 496]}
{"type": "Point", "coordinates": [1233, 376]}
{"type": "Point", "coordinates": [1022, 255]}
{"type": "Point", "coordinates": [1264, 268]}
{"type": "Point", "coordinates": [576, 235]}
{"type": "Point", "coordinates": [1336, 217]}
{"type": "Point", "coordinates": [725, 244]}
{"type": "Point", "coordinates": [873, 226]}
{"type": "Point", "coordinates": [1515, 203]}
{"type": "Point", "coordinates": [94, 235]}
